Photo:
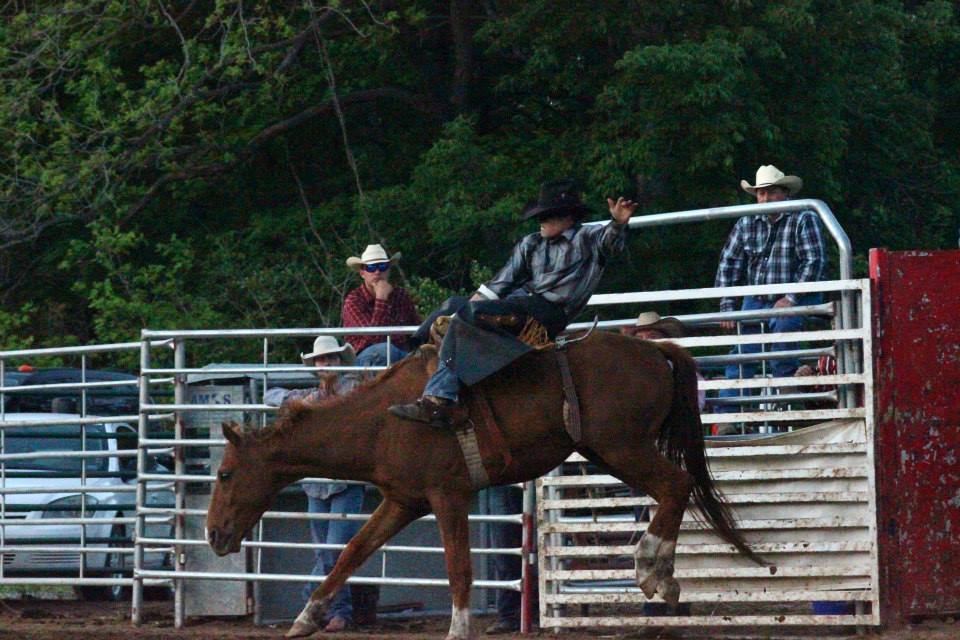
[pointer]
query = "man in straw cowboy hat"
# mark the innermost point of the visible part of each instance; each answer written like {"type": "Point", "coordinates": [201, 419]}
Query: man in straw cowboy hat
{"type": "Point", "coordinates": [548, 279]}
{"type": "Point", "coordinates": [377, 303]}
{"type": "Point", "coordinates": [328, 497]}
{"type": "Point", "coordinates": [777, 248]}
{"type": "Point", "coordinates": [649, 325]}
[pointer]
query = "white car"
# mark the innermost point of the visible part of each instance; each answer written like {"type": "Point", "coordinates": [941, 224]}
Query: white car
{"type": "Point", "coordinates": [30, 518]}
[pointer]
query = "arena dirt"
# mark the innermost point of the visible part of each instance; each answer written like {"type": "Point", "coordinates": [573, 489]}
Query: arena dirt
{"type": "Point", "coordinates": [70, 619]}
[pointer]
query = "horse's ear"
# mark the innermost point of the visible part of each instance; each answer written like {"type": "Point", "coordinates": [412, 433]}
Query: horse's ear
{"type": "Point", "coordinates": [231, 431]}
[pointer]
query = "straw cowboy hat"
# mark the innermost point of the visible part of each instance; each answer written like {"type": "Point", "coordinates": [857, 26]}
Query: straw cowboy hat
{"type": "Point", "coordinates": [559, 197]}
{"type": "Point", "coordinates": [670, 327]}
{"type": "Point", "coordinates": [325, 345]}
{"type": "Point", "coordinates": [373, 254]}
{"type": "Point", "coordinates": [769, 176]}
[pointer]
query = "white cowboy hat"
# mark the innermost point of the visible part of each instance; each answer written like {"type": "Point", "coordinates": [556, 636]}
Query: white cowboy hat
{"type": "Point", "coordinates": [769, 176]}
{"type": "Point", "coordinates": [373, 254]}
{"type": "Point", "coordinates": [325, 345]}
{"type": "Point", "coordinates": [669, 326]}
{"type": "Point", "coordinates": [647, 318]}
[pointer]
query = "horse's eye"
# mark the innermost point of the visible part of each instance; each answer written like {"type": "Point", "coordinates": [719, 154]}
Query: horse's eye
{"type": "Point", "coordinates": [224, 475]}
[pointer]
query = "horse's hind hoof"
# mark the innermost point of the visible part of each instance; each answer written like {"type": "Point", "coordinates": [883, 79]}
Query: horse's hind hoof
{"type": "Point", "coordinates": [301, 629]}
{"type": "Point", "coordinates": [649, 585]}
{"type": "Point", "coordinates": [669, 590]}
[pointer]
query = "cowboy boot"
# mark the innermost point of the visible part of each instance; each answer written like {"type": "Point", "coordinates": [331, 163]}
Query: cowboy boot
{"type": "Point", "coordinates": [437, 412]}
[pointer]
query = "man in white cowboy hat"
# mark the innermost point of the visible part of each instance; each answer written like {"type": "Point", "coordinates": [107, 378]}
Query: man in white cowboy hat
{"type": "Point", "coordinates": [771, 249]}
{"type": "Point", "coordinates": [377, 303]}
{"type": "Point", "coordinates": [328, 497]}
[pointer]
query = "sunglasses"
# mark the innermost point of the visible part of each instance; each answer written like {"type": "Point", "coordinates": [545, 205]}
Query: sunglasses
{"type": "Point", "coordinates": [379, 266]}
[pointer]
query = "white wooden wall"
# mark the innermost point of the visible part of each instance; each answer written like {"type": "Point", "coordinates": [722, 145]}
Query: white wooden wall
{"type": "Point", "coordinates": [804, 500]}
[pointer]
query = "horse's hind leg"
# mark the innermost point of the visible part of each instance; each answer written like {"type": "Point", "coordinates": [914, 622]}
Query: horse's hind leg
{"type": "Point", "coordinates": [389, 518]}
{"type": "Point", "coordinates": [650, 471]}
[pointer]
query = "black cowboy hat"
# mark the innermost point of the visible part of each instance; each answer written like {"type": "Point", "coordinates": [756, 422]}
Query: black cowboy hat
{"type": "Point", "coordinates": [559, 197]}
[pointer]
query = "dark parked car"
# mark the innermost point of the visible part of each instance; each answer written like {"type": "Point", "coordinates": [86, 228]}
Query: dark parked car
{"type": "Point", "coordinates": [101, 401]}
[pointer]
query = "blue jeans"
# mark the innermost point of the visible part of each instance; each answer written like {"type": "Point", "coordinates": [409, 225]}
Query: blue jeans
{"type": "Point", "coordinates": [444, 383]}
{"type": "Point", "coordinates": [376, 355]}
{"type": "Point", "coordinates": [333, 532]}
{"type": "Point", "coordinates": [507, 500]}
{"type": "Point", "coordinates": [780, 368]}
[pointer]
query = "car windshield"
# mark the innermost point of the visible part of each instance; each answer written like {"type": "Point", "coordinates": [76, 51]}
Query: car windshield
{"type": "Point", "coordinates": [56, 439]}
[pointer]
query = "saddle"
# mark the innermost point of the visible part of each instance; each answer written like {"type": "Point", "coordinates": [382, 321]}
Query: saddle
{"type": "Point", "coordinates": [534, 334]}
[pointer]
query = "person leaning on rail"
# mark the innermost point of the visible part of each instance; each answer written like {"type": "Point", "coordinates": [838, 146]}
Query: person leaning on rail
{"type": "Point", "coordinates": [776, 248]}
{"type": "Point", "coordinates": [327, 497]}
{"type": "Point", "coordinates": [650, 326]}
{"type": "Point", "coordinates": [377, 303]}
{"type": "Point", "coordinates": [544, 285]}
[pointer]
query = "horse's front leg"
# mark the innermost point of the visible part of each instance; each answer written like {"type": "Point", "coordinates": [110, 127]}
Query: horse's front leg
{"type": "Point", "coordinates": [451, 510]}
{"type": "Point", "coordinates": [389, 518]}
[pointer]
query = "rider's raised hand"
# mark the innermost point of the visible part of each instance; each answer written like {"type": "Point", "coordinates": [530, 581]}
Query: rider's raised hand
{"type": "Point", "coordinates": [622, 209]}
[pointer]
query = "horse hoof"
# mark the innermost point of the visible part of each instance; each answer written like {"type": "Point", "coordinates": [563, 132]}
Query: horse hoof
{"type": "Point", "coordinates": [648, 585]}
{"type": "Point", "coordinates": [301, 629]}
{"type": "Point", "coordinates": [670, 591]}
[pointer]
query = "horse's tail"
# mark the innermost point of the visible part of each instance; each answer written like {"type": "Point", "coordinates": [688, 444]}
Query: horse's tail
{"type": "Point", "coordinates": [681, 440]}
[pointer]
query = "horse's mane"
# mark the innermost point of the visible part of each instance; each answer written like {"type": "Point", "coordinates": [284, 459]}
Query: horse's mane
{"type": "Point", "coordinates": [293, 411]}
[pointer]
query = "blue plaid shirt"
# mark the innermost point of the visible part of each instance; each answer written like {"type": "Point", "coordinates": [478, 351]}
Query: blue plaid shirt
{"type": "Point", "coordinates": [759, 251]}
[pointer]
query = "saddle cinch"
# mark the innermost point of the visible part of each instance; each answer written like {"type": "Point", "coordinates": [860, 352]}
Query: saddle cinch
{"type": "Point", "coordinates": [535, 335]}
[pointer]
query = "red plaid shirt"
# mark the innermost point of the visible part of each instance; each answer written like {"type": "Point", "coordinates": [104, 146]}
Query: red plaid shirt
{"type": "Point", "coordinates": [362, 309]}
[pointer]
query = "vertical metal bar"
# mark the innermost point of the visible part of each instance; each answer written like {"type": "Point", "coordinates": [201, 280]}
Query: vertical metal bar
{"type": "Point", "coordinates": [764, 348]}
{"type": "Point", "coordinates": [179, 497]}
{"type": "Point", "coordinates": [528, 558]}
{"type": "Point", "coordinates": [741, 390]}
{"type": "Point", "coordinates": [83, 461]}
{"type": "Point", "coordinates": [136, 606]}
{"type": "Point", "coordinates": [555, 541]}
{"type": "Point", "coordinates": [258, 554]}
{"type": "Point", "coordinates": [257, 585]}
{"type": "Point", "coordinates": [870, 427]}
{"type": "Point", "coordinates": [389, 348]}
{"type": "Point", "coordinates": [3, 463]}
{"type": "Point", "coordinates": [266, 360]}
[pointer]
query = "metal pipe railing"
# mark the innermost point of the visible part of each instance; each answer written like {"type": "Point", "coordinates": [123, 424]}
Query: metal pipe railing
{"type": "Point", "coordinates": [847, 362]}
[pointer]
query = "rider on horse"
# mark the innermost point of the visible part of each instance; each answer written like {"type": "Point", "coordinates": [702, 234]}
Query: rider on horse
{"type": "Point", "coordinates": [547, 281]}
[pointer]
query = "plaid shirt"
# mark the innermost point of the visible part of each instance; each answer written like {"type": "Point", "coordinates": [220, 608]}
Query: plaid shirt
{"type": "Point", "coordinates": [759, 251]}
{"type": "Point", "coordinates": [362, 309]}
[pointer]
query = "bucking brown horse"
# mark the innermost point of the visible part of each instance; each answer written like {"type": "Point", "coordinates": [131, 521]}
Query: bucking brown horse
{"type": "Point", "coordinates": [638, 403]}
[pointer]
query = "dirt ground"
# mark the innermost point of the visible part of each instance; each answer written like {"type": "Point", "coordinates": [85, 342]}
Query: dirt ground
{"type": "Point", "coordinates": [68, 619]}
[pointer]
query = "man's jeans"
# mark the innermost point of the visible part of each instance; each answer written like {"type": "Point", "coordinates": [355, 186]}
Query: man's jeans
{"type": "Point", "coordinates": [444, 383]}
{"type": "Point", "coordinates": [780, 368]}
{"type": "Point", "coordinates": [506, 500]}
{"type": "Point", "coordinates": [334, 532]}
{"type": "Point", "coordinates": [376, 355]}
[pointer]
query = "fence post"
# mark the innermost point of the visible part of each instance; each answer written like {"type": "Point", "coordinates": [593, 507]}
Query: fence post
{"type": "Point", "coordinates": [179, 397]}
{"type": "Point", "coordinates": [528, 558]}
{"type": "Point", "coordinates": [144, 399]}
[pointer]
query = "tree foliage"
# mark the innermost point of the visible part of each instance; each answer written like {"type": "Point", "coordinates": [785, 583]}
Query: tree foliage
{"type": "Point", "coordinates": [212, 164]}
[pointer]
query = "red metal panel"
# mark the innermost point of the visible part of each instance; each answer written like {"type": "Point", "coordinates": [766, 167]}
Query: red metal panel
{"type": "Point", "coordinates": [917, 369]}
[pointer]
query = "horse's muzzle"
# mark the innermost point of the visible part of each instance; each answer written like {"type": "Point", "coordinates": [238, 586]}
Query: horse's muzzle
{"type": "Point", "coordinates": [223, 542]}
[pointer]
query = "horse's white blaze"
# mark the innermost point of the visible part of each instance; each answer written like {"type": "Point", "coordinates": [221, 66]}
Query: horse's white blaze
{"type": "Point", "coordinates": [459, 623]}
